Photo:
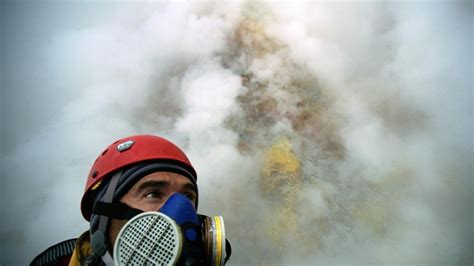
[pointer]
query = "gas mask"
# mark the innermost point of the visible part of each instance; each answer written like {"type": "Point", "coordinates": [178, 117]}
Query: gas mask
{"type": "Point", "coordinates": [175, 235]}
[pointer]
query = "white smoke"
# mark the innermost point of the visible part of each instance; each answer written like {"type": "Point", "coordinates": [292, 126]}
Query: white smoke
{"type": "Point", "coordinates": [373, 100]}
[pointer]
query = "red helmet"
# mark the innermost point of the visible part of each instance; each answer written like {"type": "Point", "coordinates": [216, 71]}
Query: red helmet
{"type": "Point", "coordinates": [128, 151]}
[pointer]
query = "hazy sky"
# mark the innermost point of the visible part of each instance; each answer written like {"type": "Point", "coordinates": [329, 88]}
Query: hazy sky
{"type": "Point", "coordinates": [323, 133]}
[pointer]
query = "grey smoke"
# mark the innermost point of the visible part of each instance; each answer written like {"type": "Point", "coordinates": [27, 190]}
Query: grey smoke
{"type": "Point", "coordinates": [371, 102]}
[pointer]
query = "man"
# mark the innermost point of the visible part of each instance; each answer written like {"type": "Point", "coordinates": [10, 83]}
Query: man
{"type": "Point", "coordinates": [133, 179]}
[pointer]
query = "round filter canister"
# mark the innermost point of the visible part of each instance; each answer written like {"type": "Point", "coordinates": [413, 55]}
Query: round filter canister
{"type": "Point", "coordinates": [150, 238]}
{"type": "Point", "coordinates": [214, 230]}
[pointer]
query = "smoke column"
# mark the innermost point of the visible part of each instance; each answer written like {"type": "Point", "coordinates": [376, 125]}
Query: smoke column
{"type": "Point", "coordinates": [324, 133]}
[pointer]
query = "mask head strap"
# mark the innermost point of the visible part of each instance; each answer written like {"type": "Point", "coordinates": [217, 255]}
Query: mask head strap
{"type": "Point", "coordinates": [115, 210]}
{"type": "Point", "coordinates": [98, 238]}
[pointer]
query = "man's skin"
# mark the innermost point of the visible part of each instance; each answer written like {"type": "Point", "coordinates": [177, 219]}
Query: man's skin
{"type": "Point", "coordinates": [150, 193]}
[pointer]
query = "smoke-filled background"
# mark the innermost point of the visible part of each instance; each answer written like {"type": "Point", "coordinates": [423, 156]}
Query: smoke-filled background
{"type": "Point", "coordinates": [324, 133]}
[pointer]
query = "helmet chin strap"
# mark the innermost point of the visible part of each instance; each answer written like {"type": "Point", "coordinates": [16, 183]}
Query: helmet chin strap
{"type": "Point", "coordinates": [99, 238]}
{"type": "Point", "coordinates": [107, 259]}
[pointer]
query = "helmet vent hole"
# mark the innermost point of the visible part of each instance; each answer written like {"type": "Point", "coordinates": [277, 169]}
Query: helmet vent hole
{"type": "Point", "coordinates": [94, 174]}
{"type": "Point", "coordinates": [104, 152]}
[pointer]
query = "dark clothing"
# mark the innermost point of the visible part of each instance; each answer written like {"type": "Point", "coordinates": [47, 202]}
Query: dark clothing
{"type": "Point", "coordinates": [72, 252]}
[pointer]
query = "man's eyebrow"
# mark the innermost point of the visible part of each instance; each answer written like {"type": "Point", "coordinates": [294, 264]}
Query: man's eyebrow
{"type": "Point", "coordinates": [152, 184]}
{"type": "Point", "coordinates": [190, 186]}
{"type": "Point", "coordinates": [163, 184]}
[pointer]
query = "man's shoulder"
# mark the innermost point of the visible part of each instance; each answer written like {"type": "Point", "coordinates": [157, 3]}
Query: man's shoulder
{"type": "Point", "coordinates": [58, 254]}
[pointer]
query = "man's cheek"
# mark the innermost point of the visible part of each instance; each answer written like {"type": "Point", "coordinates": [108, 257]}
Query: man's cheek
{"type": "Point", "coordinates": [114, 229]}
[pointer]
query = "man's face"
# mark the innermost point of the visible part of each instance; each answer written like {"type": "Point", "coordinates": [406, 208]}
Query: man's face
{"type": "Point", "coordinates": [150, 194]}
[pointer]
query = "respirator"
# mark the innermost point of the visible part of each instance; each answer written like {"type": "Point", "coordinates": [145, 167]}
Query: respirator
{"type": "Point", "coordinates": [176, 235]}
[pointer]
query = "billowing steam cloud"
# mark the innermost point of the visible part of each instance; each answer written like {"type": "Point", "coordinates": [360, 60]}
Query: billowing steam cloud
{"type": "Point", "coordinates": [323, 133]}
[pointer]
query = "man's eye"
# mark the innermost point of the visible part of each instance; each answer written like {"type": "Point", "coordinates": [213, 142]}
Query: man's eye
{"type": "Point", "coordinates": [153, 195]}
{"type": "Point", "coordinates": [190, 196]}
